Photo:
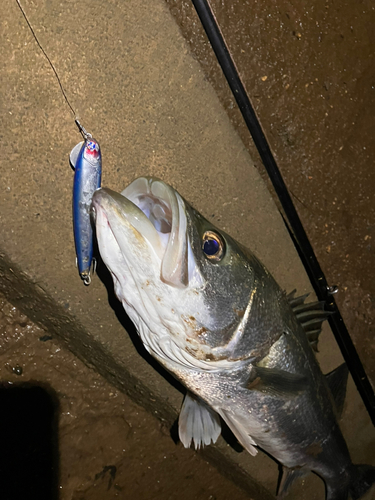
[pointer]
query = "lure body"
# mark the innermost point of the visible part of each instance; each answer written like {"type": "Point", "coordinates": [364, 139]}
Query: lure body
{"type": "Point", "coordinates": [87, 161]}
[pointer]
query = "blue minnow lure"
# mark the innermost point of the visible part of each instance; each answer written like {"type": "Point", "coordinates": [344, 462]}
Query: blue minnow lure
{"type": "Point", "coordinates": [86, 159]}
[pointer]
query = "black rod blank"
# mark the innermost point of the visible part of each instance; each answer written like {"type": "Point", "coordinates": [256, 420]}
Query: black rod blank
{"type": "Point", "coordinates": [309, 260]}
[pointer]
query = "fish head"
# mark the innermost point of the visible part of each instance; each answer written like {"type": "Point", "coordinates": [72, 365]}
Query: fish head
{"type": "Point", "coordinates": [185, 284]}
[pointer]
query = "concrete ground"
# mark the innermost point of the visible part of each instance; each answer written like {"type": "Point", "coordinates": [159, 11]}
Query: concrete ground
{"type": "Point", "coordinates": [106, 446]}
{"type": "Point", "coordinates": [130, 76]}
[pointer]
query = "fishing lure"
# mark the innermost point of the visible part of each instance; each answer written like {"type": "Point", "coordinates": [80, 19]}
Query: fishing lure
{"type": "Point", "coordinates": [86, 159]}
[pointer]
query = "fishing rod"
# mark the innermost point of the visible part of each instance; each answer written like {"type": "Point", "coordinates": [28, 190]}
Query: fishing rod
{"type": "Point", "coordinates": [318, 280]}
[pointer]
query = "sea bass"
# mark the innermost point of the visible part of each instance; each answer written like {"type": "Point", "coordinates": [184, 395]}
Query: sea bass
{"type": "Point", "coordinates": [210, 312]}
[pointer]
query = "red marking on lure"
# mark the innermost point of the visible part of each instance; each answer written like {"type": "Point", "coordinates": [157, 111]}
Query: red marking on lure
{"type": "Point", "coordinates": [92, 150]}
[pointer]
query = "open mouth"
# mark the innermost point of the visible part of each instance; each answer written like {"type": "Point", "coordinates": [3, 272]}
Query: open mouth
{"type": "Point", "coordinates": [157, 213]}
{"type": "Point", "coordinates": [153, 198]}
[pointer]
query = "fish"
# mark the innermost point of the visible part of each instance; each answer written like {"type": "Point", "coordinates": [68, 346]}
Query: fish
{"type": "Point", "coordinates": [86, 159]}
{"type": "Point", "coordinates": [211, 314]}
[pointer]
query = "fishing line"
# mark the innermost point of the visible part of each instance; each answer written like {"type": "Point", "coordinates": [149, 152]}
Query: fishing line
{"type": "Point", "coordinates": [50, 63]}
{"type": "Point", "coordinates": [294, 224]}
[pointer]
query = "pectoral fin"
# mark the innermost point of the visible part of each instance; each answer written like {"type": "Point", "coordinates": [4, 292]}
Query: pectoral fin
{"type": "Point", "coordinates": [198, 423]}
{"type": "Point", "coordinates": [240, 431]}
{"type": "Point", "coordinates": [277, 382]}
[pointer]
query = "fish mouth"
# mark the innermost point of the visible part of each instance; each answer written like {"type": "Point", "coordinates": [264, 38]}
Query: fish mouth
{"type": "Point", "coordinates": [148, 216]}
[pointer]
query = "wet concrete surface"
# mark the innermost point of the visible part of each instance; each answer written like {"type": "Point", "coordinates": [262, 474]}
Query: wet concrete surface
{"type": "Point", "coordinates": [309, 71]}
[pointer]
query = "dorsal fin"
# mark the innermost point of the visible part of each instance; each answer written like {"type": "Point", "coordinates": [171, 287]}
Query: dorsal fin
{"type": "Point", "coordinates": [337, 380]}
{"type": "Point", "coordinates": [310, 315]}
{"type": "Point", "coordinates": [296, 301]}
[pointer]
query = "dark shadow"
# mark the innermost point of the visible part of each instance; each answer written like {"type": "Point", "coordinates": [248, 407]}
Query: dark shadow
{"type": "Point", "coordinates": [230, 438]}
{"type": "Point", "coordinates": [29, 443]}
{"type": "Point", "coordinates": [173, 432]}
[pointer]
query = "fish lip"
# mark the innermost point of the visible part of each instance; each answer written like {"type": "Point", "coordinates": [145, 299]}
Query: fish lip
{"type": "Point", "coordinates": [120, 212]}
{"type": "Point", "coordinates": [147, 194]}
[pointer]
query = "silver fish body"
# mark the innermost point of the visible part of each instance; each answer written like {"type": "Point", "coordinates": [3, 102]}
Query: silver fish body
{"type": "Point", "coordinates": [209, 311]}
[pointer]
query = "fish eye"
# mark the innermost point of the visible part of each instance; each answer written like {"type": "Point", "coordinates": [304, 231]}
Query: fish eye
{"type": "Point", "coordinates": [213, 246]}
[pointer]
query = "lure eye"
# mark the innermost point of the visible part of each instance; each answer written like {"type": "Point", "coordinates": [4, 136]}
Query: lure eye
{"type": "Point", "coordinates": [92, 150]}
{"type": "Point", "coordinates": [213, 246]}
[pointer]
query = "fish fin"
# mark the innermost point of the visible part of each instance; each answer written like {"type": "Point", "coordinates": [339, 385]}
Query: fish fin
{"type": "Point", "coordinates": [296, 301]}
{"type": "Point", "coordinates": [198, 423]}
{"type": "Point", "coordinates": [356, 483]}
{"type": "Point", "coordinates": [277, 382]}
{"type": "Point", "coordinates": [239, 431]}
{"type": "Point", "coordinates": [287, 479]}
{"type": "Point", "coordinates": [310, 316]}
{"type": "Point", "coordinates": [314, 346]}
{"type": "Point", "coordinates": [336, 492]}
{"type": "Point", "coordinates": [74, 154]}
{"type": "Point", "coordinates": [363, 477]}
{"type": "Point", "coordinates": [336, 381]}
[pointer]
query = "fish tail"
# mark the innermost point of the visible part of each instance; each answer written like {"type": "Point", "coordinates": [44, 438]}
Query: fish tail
{"type": "Point", "coordinates": [363, 477]}
{"type": "Point", "coordinates": [337, 492]}
{"type": "Point", "coordinates": [353, 484]}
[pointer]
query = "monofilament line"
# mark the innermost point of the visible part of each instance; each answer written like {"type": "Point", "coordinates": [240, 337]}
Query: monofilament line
{"type": "Point", "coordinates": [46, 56]}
